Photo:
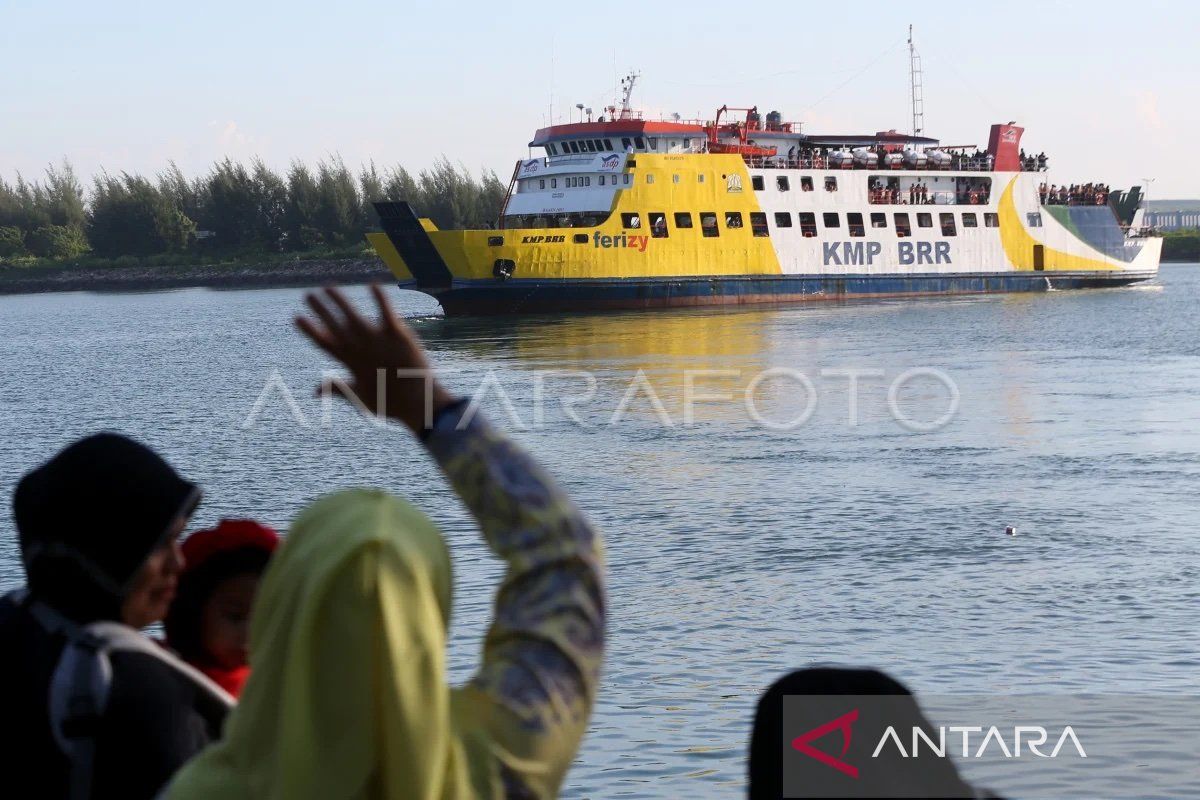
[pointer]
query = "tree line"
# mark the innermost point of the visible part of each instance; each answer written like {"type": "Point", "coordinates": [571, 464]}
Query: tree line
{"type": "Point", "coordinates": [1183, 245]}
{"type": "Point", "coordinates": [235, 209]}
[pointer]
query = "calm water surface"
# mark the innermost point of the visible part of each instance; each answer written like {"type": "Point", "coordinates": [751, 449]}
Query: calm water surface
{"type": "Point", "coordinates": [737, 551]}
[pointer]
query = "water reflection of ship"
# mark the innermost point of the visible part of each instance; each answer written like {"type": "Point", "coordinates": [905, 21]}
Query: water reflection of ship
{"type": "Point", "coordinates": [613, 350]}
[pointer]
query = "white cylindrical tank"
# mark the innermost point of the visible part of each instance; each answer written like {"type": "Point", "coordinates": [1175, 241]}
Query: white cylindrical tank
{"type": "Point", "coordinates": [915, 159]}
{"type": "Point", "coordinates": [840, 158]}
{"type": "Point", "coordinates": [939, 159]}
{"type": "Point", "coordinates": [864, 157]}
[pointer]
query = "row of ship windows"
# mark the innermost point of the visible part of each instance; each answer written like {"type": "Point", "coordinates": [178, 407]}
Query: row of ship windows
{"type": "Point", "coordinates": [581, 181]}
{"type": "Point", "coordinates": [831, 220]}
{"type": "Point", "coordinates": [783, 183]}
{"type": "Point", "coordinates": [606, 145]}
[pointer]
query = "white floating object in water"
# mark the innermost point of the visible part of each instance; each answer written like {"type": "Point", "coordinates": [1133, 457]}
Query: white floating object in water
{"type": "Point", "coordinates": [1010, 530]}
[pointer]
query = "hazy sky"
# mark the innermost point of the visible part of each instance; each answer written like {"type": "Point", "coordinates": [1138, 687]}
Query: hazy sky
{"type": "Point", "coordinates": [1108, 89]}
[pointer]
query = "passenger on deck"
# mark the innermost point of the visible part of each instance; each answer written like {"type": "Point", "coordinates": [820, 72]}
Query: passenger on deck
{"type": "Point", "coordinates": [349, 694]}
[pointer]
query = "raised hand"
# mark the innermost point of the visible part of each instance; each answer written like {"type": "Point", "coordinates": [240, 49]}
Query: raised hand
{"type": "Point", "coordinates": [389, 372]}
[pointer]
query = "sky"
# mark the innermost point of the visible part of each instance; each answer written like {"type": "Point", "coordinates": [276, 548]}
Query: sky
{"type": "Point", "coordinates": [1107, 89]}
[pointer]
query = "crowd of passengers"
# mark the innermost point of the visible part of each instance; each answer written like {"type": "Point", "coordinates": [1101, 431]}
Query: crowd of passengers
{"type": "Point", "coordinates": [1089, 194]}
{"type": "Point", "coordinates": [977, 161]}
{"type": "Point", "coordinates": [313, 665]}
{"type": "Point", "coordinates": [966, 192]}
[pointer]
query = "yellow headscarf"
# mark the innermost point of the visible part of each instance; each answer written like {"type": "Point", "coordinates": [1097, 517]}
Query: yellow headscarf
{"type": "Point", "coordinates": [347, 695]}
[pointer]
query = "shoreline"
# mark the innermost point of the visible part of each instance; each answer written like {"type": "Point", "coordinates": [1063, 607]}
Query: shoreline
{"type": "Point", "coordinates": [264, 275]}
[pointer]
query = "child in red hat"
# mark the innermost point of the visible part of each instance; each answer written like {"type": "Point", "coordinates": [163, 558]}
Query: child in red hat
{"type": "Point", "coordinates": [209, 622]}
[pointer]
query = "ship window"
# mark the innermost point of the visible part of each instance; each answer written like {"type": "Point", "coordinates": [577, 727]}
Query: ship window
{"type": "Point", "coordinates": [608, 144]}
{"type": "Point", "coordinates": [781, 183]}
{"type": "Point", "coordinates": [708, 223]}
{"type": "Point", "coordinates": [658, 224]}
{"type": "Point", "coordinates": [733, 219]}
{"type": "Point", "coordinates": [625, 143]}
{"type": "Point", "coordinates": [991, 220]}
{"type": "Point", "coordinates": [587, 181]}
{"type": "Point", "coordinates": [580, 238]}
{"type": "Point", "coordinates": [854, 221]}
{"type": "Point", "coordinates": [831, 220]}
{"type": "Point", "coordinates": [758, 223]}
{"type": "Point", "coordinates": [878, 220]}
{"type": "Point", "coordinates": [590, 145]}
{"type": "Point", "coordinates": [924, 220]}
{"type": "Point", "coordinates": [631, 221]}
{"type": "Point", "coordinates": [574, 147]}
{"type": "Point", "coordinates": [554, 183]}
{"type": "Point", "coordinates": [683, 219]}
{"type": "Point", "coordinates": [687, 144]}
{"type": "Point", "coordinates": [806, 184]}
{"type": "Point", "coordinates": [542, 183]}
{"type": "Point", "coordinates": [970, 221]}
{"type": "Point", "coordinates": [649, 177]}
{"type": "Point", "coordinates": [675, 178]}
{"type": "Point", "coordinates": [599, 145]}
{"type": "Point", "coordinates": [700, 178]}
{"type": "Point", "coordinates": [1035, 219]}
{"type": "Point", "coordinates": [601, 180]}
{"type": "Point", "coordinates": [756, 182]}
{"type": "Point", "coordinates": [948, 228]}
{"type": "Point", "coordinates": [830, 184]}
{"type": "Point", "coordinates": [638, 143]}
{"type": "Point", "coordinates": [626, 179]}
{"type": "Point", "coordinates": [903, 227]}
{"type": "Point", "coordinates": [653, 142]}
{"type": "Point", "coordinates": [783, 219]}
{"type": "Point", "coordinates": [808, 224]}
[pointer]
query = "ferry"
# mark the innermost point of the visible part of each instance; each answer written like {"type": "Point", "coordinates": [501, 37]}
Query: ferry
{"type": "Point", "coordinates": [630, 213]}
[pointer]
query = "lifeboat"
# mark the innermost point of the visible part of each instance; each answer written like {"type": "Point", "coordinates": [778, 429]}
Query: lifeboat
{"type": "Point", "coordinates": [893, 161]}
{"type": "Point", "coordinates": [741, 149]}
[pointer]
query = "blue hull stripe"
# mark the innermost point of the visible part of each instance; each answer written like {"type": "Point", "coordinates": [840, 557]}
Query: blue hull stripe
{"type": "Point", "coordinates": [517, 296]}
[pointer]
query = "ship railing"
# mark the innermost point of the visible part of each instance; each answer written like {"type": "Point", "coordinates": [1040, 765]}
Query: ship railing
{"type": "Point", "coordinates": [824, 162]}
{"type": "Point", "coordinates": [1098, 199]}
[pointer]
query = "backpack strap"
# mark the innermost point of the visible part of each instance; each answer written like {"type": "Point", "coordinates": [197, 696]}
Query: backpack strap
{"type": "Point", "coordinates": [82, 679]}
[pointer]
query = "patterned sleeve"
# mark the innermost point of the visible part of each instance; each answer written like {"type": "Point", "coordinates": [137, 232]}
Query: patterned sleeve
{"type": "Point", "coordinates": [542, 653]}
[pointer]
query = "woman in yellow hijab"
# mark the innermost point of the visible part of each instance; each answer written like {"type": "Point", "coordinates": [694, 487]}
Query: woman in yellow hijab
{"type": "Point", "coordinates": [347, 696]}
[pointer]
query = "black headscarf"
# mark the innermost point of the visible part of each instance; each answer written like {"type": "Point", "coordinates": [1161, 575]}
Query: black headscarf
{"type": "Point", "coordinates": [907, 777]}
{"type": "Point", "coordinates": [89, 517]}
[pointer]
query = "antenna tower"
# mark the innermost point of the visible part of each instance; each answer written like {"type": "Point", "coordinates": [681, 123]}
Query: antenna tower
{"type": "Point", "coordinates": [627, 93]}
{"type": "Point", "coordinates": [916, 91]}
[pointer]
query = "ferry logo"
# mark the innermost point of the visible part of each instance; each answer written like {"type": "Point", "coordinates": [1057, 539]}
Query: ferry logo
{"type": "Point", "coordinates": [610, 162]}
{"type": "Point", "coordinates": [733, 184]}
{"type": "Point", "coordinates": [1009, 136]}
{"type": "Point", "coordinates": [639, 243]}
{"type": "Point", "coordinates": [543, 239]}
{"type": "Point", "coordinates": [843, 724]}
{"type": "Point", "coordinates": [529, 166]}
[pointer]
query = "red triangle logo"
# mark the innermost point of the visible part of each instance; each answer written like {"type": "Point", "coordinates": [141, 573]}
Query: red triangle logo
{"type": "Point", "coordinates": [842, 723]}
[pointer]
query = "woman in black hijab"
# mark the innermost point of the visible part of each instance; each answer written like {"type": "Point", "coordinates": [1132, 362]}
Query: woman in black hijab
{"type": "Point", "coordinates": [96, 709]}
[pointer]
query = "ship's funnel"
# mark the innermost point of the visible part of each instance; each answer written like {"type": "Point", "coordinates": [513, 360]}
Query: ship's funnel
{"type": "Point", "coordinates": [1005, 147]}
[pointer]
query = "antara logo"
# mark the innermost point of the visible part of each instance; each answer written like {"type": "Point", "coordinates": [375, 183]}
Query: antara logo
{"type": "Point", "coordinates": [638, 243]}
{"type": "Point", "coordinates": [842, 724]}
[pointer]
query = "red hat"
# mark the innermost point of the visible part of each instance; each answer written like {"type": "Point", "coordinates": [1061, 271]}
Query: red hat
{"type": "Point", "coordinates": [229, 535]}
